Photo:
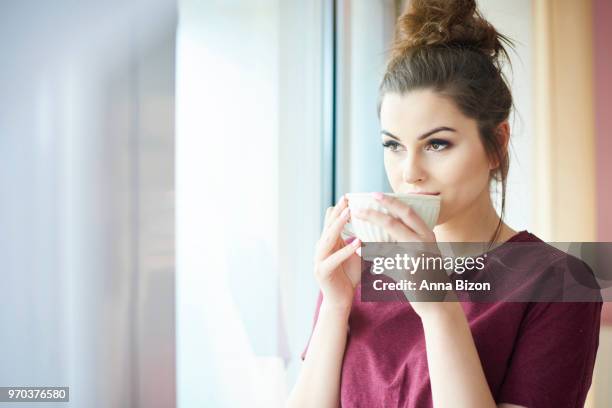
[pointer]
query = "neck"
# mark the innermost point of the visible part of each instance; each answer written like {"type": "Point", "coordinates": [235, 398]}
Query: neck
{"type": "Point", "coordinates": [477, 224]}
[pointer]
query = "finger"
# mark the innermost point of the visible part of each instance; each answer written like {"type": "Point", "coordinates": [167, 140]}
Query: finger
{"type": "Point", "coordinates": [327, 215]}
{"type": "Point", "coordinates": [333, 261]}
{"type": "Point", "coordinates": [331, 236]}
{"type": "Point", "coordinates": [404, 212]}
{"type": "Point", "coordinates": [326, 223]}
{"type": "Point", "coordinates": [394, 226]}
{"type": "Point", "coordinates": [336, 210]}
{"type": "Point", "coordinates": [352, 267]}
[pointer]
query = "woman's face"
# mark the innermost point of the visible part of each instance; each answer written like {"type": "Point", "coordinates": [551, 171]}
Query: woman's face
{"type": "Point", "coordinates": [431, 147]}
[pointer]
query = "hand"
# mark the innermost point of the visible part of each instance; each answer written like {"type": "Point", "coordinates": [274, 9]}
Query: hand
{"type": "Point", "coordinates": [337, 267]}
{"type": "Point", "coordinates": [404, 225]}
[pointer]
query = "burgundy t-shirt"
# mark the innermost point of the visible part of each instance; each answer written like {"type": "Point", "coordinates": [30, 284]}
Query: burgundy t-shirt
{"type": "Point", "coordinates": [532, 354]}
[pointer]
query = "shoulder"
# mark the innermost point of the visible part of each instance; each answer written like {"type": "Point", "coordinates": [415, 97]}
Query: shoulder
{"type": "Point", "coordinates": [563, 314]}
{"type": "Point", "coordinates": [533, 270]}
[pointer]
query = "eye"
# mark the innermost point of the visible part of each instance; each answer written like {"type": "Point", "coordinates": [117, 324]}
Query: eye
{"type": "Point", "coordinates": [437, 145]}
{"type": "Point", "coordinates": [391, 145]}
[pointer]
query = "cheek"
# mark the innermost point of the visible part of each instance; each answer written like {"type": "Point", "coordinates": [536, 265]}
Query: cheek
{"type": "Point", "coordinates": [464, 175]}
{"type": "Point", "coordinates": [466, 170]}
{"type": "Point", "coordinates": [393, 168]}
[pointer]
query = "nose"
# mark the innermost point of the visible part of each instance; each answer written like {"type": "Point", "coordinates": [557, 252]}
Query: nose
{"type": "Point", "coordinates": [413, 171]}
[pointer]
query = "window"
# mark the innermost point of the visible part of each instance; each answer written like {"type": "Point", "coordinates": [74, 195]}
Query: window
{"type": "Point", "coordinates": [252, 102]}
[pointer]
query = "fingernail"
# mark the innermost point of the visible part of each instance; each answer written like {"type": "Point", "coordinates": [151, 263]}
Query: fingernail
{"type": "Point", "coordinates": [344, 213]}
{"type": "Point", "coordinates": [356, 242]}
{"type": "Point", "coordinates": [378, 196]}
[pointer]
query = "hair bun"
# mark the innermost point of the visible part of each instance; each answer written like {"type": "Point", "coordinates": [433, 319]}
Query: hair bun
{"type": "Point", "coordinates": [446, 22]}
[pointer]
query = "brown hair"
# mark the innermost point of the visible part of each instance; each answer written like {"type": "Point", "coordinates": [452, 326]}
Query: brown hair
{"type": "Point", "coordinates": [447, 46]}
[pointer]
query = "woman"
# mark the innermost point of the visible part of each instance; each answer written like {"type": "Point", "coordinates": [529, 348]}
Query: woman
{"type": "Point", "coordinates": [444, 117]}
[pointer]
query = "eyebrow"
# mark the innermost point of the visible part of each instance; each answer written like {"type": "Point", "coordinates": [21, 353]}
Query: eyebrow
{"type": "Point", "coordinates": [423, 136]}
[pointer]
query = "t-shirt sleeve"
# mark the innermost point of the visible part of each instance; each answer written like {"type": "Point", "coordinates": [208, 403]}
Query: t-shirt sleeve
{"type": "Point", "coordinates": [314, 322]}
{"type": "Point", "coordinates": [554, 355]}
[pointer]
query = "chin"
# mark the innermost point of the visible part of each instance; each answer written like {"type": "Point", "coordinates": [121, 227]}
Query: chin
{"type": "Point", "coordinates": [441, 220]}
{"type": "Point", "coordinates": [444, 216]}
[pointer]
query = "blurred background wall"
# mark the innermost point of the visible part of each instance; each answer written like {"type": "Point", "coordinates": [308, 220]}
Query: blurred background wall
{"type": "Point", "coordinates": [573, 74]}
{"type": "Point", "coordinates": [87, 208]}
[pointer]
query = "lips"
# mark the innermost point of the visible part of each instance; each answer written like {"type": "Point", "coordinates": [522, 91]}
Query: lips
{"type": "Point", "coordinates": [422, 192]}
